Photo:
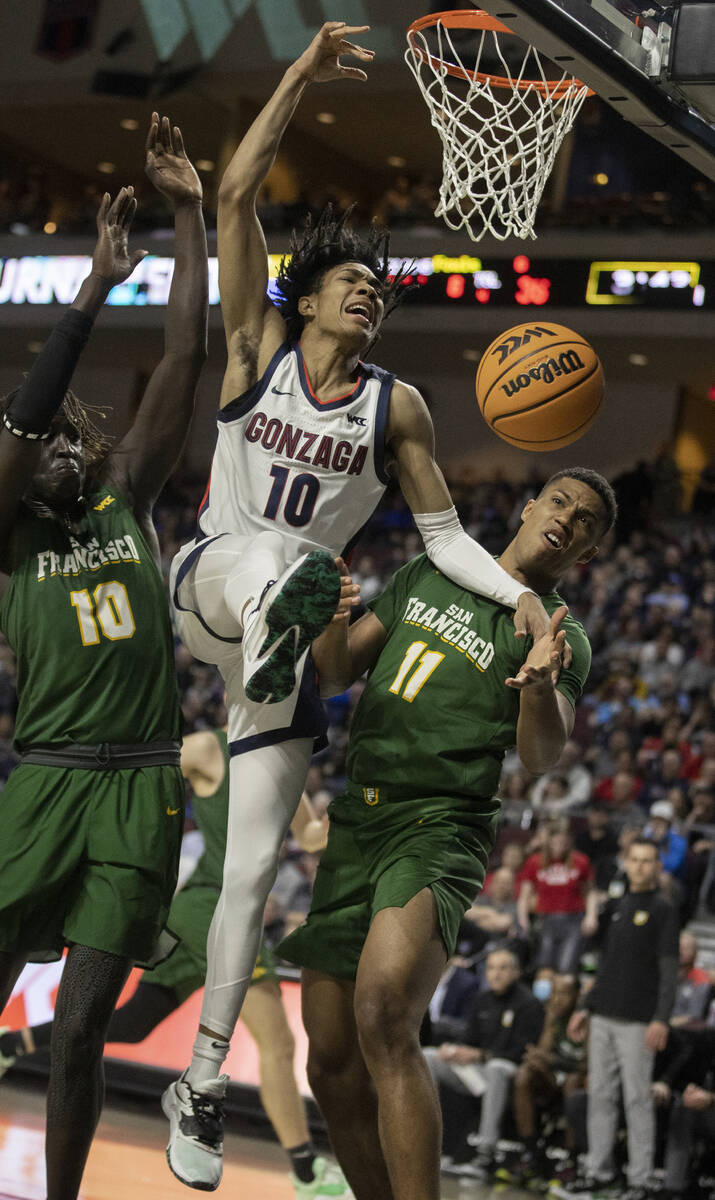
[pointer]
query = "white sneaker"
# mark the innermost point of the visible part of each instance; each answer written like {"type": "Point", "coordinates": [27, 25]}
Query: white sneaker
{"type": "Point", "coordinates": [195, 1149]}
{"type": "Point", "coordinates": [292, 611]}
{"type": "Point", "coordinates": [328, 1180]}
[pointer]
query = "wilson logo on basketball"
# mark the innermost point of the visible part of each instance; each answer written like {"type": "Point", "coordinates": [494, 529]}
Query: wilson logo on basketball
{"type": "Point", "coordinates": [515, 341]}
{"type": "Point", "coordinates": [544, 372]}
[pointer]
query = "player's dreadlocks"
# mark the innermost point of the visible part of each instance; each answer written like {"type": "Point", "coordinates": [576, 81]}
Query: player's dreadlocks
{"type": "Point", "coordinates": [84, 418]}
{"type": "Point", "coordinates": [326, 243]}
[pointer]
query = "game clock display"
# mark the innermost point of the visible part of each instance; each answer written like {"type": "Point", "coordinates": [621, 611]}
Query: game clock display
{"type": "Point", "coordinates": [566, 283]}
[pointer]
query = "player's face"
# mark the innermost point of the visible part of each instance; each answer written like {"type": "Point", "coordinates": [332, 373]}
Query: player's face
{"type": "Point", "coordinates": [61, 470]}
{"type": "Point", "coordinates": [348, 304]}
{"type": "Point", "coordinates": [561, 527]}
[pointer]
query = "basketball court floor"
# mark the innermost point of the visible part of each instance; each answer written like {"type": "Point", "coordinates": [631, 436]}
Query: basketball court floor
{"type": "Point", "coordinates": [127, 1156]}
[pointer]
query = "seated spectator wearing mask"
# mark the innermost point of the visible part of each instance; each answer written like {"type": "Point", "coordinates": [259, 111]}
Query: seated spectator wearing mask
{"type": "Point", "coordinates": [551, 1070]}
{"type": "Point", "coordinates": [505, 1018]}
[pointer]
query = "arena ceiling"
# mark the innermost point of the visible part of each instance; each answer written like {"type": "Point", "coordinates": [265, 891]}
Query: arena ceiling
{"type": "Point", "coordinates": [65, 88]}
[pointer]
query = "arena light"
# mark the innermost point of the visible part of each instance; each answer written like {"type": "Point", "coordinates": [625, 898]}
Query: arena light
{"type": "Point", "coordinates": [326, 118]}
{"type": "Point", "coordinates": [129, 123]}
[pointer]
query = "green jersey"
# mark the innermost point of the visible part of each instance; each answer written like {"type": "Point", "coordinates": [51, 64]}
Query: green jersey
{"type": "Point", "coordinates": [211, 813]}
{"type": "Point", "coordinates": [86, 615]}
{"type": "Point", "coordinates": [436, 718]}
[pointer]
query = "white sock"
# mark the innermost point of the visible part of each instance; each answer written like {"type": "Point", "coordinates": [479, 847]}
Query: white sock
{"type": "Point", "coordinates": [207, 1060]}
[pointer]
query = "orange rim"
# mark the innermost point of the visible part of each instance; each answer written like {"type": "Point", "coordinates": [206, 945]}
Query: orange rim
{"type": "Point", "coordinates": [478, 19]}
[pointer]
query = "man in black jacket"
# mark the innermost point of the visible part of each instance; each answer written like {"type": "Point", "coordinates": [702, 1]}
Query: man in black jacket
{"type": "Point", "coordinates": [629, 1006]}
{"type": "Point", "coordinates": [504, 1019]}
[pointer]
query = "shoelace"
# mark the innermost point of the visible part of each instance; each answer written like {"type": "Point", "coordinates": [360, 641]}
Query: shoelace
{"type": "Point", "coordinates": [209, 1117]}
{"type": "Point", "coordinates": [262, 597]}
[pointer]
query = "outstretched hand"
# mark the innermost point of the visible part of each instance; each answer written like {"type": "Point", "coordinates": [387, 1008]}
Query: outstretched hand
{"type": "Point", "coordinates": [321, 61]}
{"type": "Point", "coordinates": [111, 259]}
{"type": "Point", "coordinates": [532, 619]}
{"type": "Point", "coordinates": [167, 164]}
{"type": "Point", "coordinates": [542, 666]}
{"type": "Point", "coordinates": [349, 594]}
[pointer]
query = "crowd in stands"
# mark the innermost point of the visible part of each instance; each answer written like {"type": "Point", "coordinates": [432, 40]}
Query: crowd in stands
{"type": "Point", "coordinates": [640, 764]}
{"type": "Point", "coordinates": [618, 178]}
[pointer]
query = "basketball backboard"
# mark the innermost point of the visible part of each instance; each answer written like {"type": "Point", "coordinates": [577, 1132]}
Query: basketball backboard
{"type": "Point", "coordinates": [652, 62]}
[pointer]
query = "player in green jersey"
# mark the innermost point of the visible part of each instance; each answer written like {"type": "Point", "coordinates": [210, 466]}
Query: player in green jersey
{"type": "Point", "coordinates": [164, 988]}
{"type": "Point", "coordinates": [449, 691]}
{"type": "Point", "coordinates": [92, 815]}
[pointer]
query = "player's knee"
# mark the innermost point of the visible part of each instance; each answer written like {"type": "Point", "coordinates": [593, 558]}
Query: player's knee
{"type": "Point", "coordinates": [384, 1020]}
{"type": "Point", "coordinates": [279, 1046]}
{"type": "Point", "coordinates": [249, 881]}
{"type": "Point", "coordinates": [76, 1040]}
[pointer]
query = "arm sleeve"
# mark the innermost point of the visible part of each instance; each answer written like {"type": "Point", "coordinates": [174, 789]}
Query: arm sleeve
{"type": "Point", "coordinates": [36, 401]}
{"type": "Point", "coordinates": [464, 561]}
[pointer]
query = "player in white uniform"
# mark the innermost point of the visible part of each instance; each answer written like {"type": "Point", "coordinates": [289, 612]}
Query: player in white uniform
{"type": "Point", "coordinates": [306, 431]}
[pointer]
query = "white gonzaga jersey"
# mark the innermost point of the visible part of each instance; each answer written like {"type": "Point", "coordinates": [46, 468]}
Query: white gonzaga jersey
{"type": "Point", "coordinates": [312, 471]}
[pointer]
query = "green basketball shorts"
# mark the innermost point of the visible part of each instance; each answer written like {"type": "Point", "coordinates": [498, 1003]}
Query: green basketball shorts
{"type": "Point", "coordinates": [184, 971]}
{"type": "Point", "coordinates": [88, 857]}
{"type": "Point", "coordinates": [381, 853]}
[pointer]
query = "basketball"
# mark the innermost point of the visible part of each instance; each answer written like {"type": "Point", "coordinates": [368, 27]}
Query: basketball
{"type": "Point", "coordinates": [539, 386]}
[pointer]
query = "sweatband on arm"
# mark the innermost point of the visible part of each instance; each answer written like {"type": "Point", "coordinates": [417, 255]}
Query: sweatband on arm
{"type": "Point", "coordinates": [464, 561]}
{"type": "Point", "coordinates": [29, 414]}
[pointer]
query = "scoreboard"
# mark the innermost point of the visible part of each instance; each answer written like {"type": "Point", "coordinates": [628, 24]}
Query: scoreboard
{"type": "Point", "coordinates": [439, 279]}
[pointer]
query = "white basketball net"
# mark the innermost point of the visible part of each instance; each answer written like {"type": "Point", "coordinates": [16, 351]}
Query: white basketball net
{"type": "Point", "coordinates": [499, 143]}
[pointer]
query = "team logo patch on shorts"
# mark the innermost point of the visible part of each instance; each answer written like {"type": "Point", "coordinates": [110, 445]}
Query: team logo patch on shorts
{"type": "Point", "coordinates": [371, 795]}
{"type": "Point", "coordinates": [640, 917]}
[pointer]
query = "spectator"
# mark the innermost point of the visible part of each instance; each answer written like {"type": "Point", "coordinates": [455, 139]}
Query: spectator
{"type": "Point", "coordinates": [620, 794]}
{"type": "Point", "coordinates": [672, 847]}
{"type": "Point", "coordinates": [578, 783]}
{"type": "Point", "coordinates": [494, 909]}
{"type": "Point", "coordinates": [451, 1003]}
{"type": "Point", "coordinates": [550, 1070]}
{"type": "Point", "coordinates": [692, 1116]}
{"type": "Point", "coordinates": [630, 1005]}
{"type": "Point", "coordinates": [504, 1020]}
{"type": "Point", "coordinates": [599, 843]}
{"type": "Point", "coordinates": [557, 882]}
{"type": "Point", "coordinates": [692, 996]}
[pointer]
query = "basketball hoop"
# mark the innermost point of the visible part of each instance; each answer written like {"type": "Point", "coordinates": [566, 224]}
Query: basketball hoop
{"type": "Point", "coordinates": [500, 132]}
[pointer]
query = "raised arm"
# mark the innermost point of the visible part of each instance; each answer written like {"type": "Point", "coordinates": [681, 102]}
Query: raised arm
{"type": "Point", "coordinates": [545, 715]}
{"type": "Point", "coordinates": [254, 328]}
{"type": "Point", "coordinates": [410, 437]}
{"type": "Point", "coordinates": [144, 459]}
{"type": "Point", "coordinates": [30, 411]}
